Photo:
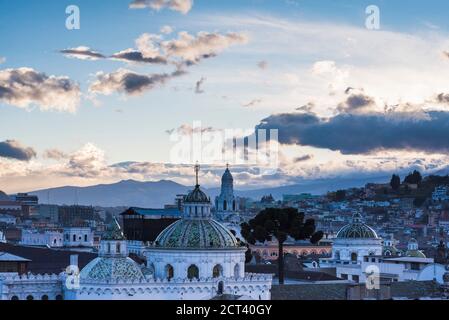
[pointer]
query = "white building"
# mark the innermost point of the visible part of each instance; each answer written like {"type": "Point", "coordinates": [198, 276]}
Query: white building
{"type": "Point", "coordinates": [78, 237]}
{"type": "Point", "coordinates": [358, 252]}
{"type": "Point", "coordinates": [440, 194]}
{"type": "Point", "coordinates": [52, 239]}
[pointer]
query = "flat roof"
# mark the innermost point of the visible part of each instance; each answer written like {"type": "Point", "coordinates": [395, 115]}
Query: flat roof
{"type": "Point", "coordinates": [410, 259]}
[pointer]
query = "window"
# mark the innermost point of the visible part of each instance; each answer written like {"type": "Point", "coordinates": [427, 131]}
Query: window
{"type": "Point", "coordinates": [217, 271]}
{"type": "Point", "coordinates": [85, 238]}
{"type": "Point", "coordinates": [44, 297]}
{"type": "Point", "coordinates": [15, 298]}
{"type": "Point", "coordinates": [337, 255]}
{"type": "Point", "coordinates": [30, 297]}
{"type": "Point", "coordinates": [353, 256]}
{"type": "Point", "coordinates": [220, 288]}
{"type": "Point", "coordinates": [118, 247]}
{"type": "Point", "coordinates": [237, 271]}
{"type": "Point", "coordinates": [344, 276]}
{"type": "Point", "coordinates": [74, 237]}
{"type": "Point", "coordinates": [356, 278]}
{"type": "Point", "coordinates": [109, 248]}
{"type": "Point", "coordinates": [169, 272]}
{"type": "Point", "coordinates": [193, 272]}
{"type": "Point", "coordinates": [233, 205]}
{"type": "Point", "coordinates": [225, 205]}
{"type": "Point", "coordinates": [59, 297]}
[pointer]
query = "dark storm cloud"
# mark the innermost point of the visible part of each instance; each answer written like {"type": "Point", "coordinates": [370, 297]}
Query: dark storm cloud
{"type": "Point", "coordinates": [13, 150]}
{"type": "Point", "coordinates": [363, 133]}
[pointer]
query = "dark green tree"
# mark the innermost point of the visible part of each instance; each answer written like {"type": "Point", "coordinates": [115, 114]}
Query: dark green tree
{"type": "Point", "coordinates": [340, 195]}
{"type": "Point", "coordinates": [395, 182]}
{"type": "Point", "coordinates": [280, 224]}
{"type": "Point", "coordinates": [413, 178]}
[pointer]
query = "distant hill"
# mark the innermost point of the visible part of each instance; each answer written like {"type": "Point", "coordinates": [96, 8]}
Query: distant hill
{"type": "Point", "coordinates": [123, 193]}
{"type": "Point", "coordinates": [157, 194]}
{"type": "Point", "coordinates": [4, 196]}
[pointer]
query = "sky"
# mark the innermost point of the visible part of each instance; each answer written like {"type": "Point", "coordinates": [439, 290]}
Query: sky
{"type": "Point", "coordinates": [113, 99]}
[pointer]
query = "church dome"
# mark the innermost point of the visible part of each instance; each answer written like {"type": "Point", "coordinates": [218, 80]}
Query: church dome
{"type": "Point", "coordinates": [357, 229]}
{"type": "Point", "coordinates": [197, 196]}
{"type": "Point", "coordinates": [109, 269]}
{"type": "Point", "coordinates": [196, 234]}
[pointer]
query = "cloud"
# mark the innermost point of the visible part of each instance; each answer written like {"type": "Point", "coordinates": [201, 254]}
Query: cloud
{"type": "Point", "coordinates": [198, 86]}
{"type": "Point", "coordinates": [188, 130]}
{"type": "Point", "coordinates": [355, 103]}
{"type": "Point", "coordinates": [192, 49]}
{"type": "Point", "coordinates": [304, 158]}
{"type": "Point", "coordinates": [131, 55]}
{"type": "Point", "coordinates": [262, 64]}
{"type": "Point", "coordinates": [82, 53]}
{"type": "Point", "coordinates": [129, 82]}
{"type": "Point", "coordinates": [252, 103]}
{"type": "Point", "coordinates": [183, 6]}
{"type": "Point", "coordinates": [364, 133]}
{"type": "Point", "coordinates": [55, 154]}
{"type": "Point", "coordinates": [12, 149]}
{"type": "Point", "coordinates": [2, 60]}
{"type": "Point", "coordinates": [167, 29]}
{"type": "Point", "coordinates": [24, 87]}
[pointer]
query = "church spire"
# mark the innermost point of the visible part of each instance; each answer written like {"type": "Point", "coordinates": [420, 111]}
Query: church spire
{"type": "Point", "coordinates": [197, 171]}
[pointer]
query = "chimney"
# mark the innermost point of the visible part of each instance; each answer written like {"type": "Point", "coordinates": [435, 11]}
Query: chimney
{"type": "Point", "coordinates": [74, 260]}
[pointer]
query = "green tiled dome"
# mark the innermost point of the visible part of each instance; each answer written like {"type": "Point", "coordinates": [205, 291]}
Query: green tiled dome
{"type": "Point", "coordinates": [357, 230]}
{"type": "Point", "coordinates": [196, 234]}
{"type": "Point", "coordinates": [111, 269]}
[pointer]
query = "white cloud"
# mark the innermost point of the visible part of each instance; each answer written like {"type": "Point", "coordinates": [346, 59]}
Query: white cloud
{"type": "Point", "coordinates": [183, 6]}
{"type": "Point", "coordinates": [25, 86]}
{"type": "Point", "coordinates": [167, 29]}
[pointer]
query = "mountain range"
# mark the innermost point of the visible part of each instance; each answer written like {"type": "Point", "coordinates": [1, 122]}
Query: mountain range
{"type": "Point", "coordinates": [156, 194]}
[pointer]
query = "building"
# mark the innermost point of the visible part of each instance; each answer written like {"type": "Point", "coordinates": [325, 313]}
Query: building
{"type": "Point", "coordinates": [78, 237]}
{"type": "Point", "coordinates": [226, 204]}
{"type": "Point", "coordinates": [358, 255]}
{"type": "Point", "coordinates": [440, 194]}
{"type": "Point", "coordinates": [51, 239]}
{"type": "Point", "coordinates": [76, 215]}
{"type": "Point", "coordinates": [8, 219]}
{"type": "Point", "coordinates": [49, 212]}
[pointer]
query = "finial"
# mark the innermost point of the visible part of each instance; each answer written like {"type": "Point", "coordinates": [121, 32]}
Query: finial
{"type": "Point", "coordinates": [197, 171]}
{"type": "Point", "coordinates": [227, 165]}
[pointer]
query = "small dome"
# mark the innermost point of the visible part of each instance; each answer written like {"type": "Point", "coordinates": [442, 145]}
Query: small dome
{"type": "Point", "coordinates": [196, 234]}
{"type": "Point", "coordinates": [357, 229]}
{"type": "Point", "coordinates": [415, 254]}
{"type": "Point", "coordinates": [197, 196]}
{"type": "Point", "coordinates": [111, 269]}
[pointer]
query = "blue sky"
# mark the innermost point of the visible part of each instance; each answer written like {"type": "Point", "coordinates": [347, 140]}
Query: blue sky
{"type": "Point", "coordinates": [312, 51]}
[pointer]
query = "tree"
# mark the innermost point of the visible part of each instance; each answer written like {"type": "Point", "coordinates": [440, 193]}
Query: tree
{"type": "Point", "coordinates": [395, 182]}
{"type": "Point", "coordinates": [340, 195]}
{"type": "Point", "coordinates": [413, 178]}
{"type": "Point", "coordinates": [280, 224]}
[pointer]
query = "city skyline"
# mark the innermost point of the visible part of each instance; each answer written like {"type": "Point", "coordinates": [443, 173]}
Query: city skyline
{"type": "Point", "coordinates": [98, 104]}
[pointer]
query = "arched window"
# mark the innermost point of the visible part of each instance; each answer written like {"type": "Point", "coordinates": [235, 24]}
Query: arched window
{"type": "Point", "coordinates": [217, 271]}
{"type": "Point", "coordinates": [59, 297]}
{"type": "Point", "coordinates": [220, 290]}
{"type": "Point", "coordinates": [233, 205]}
{"type": "Point", "coordinates": [225, 205]}
{"type": "Point", "coordinates": [15, 298]}
{"type": "Point", "coordinates": [193, 272]}
{"type": "Point", "coordinates": [237, 271]}
{"type": "Point", "coordinates": [44, 297]}
{"type": "Point", "coordinates": [169, 271]}
{"type": "Point", "coordinates": [353, 256]}
{"type": "Point", "coordinates": [85, 238]}
{"type": "Point", "coordinates": [118, 247]}
{"type": "Point", "coordinates": [337, 255]}
{"type": "Point", "coordinates": [30, 297]}
{"type": "Point", "coordinates": [74, 237]}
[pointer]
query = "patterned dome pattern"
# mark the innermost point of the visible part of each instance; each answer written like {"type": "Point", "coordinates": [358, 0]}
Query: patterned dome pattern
{"type": "Point", "coordinates": [197, 196]}
{"type": "Point", "coordinates": [196, 234]}
{"type": "Point", "coordinates": [357, 230]}
{"type": "Point", "coordinates": [111, 269]}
